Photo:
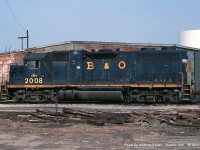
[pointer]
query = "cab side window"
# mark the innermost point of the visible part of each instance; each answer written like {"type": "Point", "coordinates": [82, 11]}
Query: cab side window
{"type": "Point", "coordinates": [33, 64]}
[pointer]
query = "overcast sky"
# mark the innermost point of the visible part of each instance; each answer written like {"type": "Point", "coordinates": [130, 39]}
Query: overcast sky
{"type": "Point", "coordinates": [131, 21]}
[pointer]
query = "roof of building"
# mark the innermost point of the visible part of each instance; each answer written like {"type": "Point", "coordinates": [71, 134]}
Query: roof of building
{"type": "Point", "coordinates": [106, 44]}
{"type": "Point", "coordinates": [118, 43]}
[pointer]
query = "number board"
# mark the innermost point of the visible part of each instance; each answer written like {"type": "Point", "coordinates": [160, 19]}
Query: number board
{"type": "Point", "coordinates": [33, 80]}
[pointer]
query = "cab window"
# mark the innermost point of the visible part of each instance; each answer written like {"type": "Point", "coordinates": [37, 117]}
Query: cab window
{"type": "Point", "coordinates": [33, 64]}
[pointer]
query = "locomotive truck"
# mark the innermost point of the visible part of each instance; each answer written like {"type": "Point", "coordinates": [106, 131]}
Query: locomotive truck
{"type": "Point", "coordinates": [104, 75]}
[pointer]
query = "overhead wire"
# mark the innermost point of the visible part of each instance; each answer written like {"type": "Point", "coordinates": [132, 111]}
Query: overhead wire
{"type": "Point", "coordinates": [15, 18]}
{"type": "Point", "coordinates": [17, 22]}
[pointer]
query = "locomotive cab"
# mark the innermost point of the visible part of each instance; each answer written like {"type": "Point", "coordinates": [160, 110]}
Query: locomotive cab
{"type": "Point", "coordinates": [34, 68]}
{"type": "Point", "coordinates": [23, 79]}
{"type": "Point", "coordinates": [32, 72]}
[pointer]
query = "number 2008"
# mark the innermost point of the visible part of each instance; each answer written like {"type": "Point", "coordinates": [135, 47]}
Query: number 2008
{"type": "Point", "coordinates": [33, 80]}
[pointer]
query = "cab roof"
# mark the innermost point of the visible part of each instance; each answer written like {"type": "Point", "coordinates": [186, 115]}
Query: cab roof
{"type": "Point", "coordinates": [35, 56]}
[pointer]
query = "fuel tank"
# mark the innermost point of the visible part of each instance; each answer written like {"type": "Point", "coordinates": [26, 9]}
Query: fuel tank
{"type": "Point", "coordinates": [90, 94]}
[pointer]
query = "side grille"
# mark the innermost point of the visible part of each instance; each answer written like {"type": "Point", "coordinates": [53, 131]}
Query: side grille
{"type": "Point", "coordinates": [60, 56]}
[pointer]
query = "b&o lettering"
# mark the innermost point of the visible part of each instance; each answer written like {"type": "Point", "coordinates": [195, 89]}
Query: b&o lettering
{"type": "Point", "coordinates": [90, 65]}
{"type": "Point", "coordinates": [106, 66]}
{"type": "Point", "coordinates": [122, 65]}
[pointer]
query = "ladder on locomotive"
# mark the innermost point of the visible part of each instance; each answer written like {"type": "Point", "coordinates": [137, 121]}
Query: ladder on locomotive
{"type": "Point", "coordinates": [4, 91]}
{"type": "Point", "coordinates": [186, 94]}
{"type": "Point", "coordinates": [186, 89]}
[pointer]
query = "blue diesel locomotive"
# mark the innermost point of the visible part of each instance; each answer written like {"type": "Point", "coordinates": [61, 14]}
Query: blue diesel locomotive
{"type": "Point", "coordinates": [104, 75]}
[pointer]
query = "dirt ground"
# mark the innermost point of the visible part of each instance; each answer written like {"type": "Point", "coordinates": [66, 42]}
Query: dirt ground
{"type": "Point", "coordinates": [16, 135]}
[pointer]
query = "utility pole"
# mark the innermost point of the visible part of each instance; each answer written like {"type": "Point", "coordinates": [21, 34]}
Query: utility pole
{"type": "Point", "coordinates": [24, 37]}
{"type": "Point", "coordinates": [27, 38]}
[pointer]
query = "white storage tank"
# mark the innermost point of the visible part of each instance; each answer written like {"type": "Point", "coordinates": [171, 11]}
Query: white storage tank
{"type": "Point", "coordinates": [190, 38]}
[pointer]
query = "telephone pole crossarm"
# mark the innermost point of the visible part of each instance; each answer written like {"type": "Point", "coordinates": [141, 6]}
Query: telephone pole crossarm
{"type": "Point", "coordinates": [24, 37]}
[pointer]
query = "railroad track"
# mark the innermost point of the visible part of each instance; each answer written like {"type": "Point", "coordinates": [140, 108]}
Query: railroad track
{"type": "Point", "coordinates": [96, 102]}
{"type": "Point", "coordinates": [30, 107]}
